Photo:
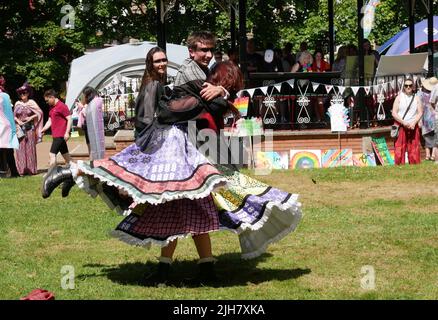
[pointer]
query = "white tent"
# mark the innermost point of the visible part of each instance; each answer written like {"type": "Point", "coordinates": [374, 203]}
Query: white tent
{"type": "Point", "coordinates": [94, 69]}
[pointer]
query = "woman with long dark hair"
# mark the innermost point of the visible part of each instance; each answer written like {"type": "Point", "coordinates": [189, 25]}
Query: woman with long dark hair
{"type": "Point", "coordinates": [169, 188]}
{"type": "Point", "coordinates": [151, 89]}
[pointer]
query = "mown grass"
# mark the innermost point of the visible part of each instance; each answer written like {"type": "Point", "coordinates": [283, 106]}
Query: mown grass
{"type": "Point", "coordinates": [383, 217]}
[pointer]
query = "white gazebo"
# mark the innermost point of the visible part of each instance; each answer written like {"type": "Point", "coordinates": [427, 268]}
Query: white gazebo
{"type": "Point", "coordinates": [96, 68]}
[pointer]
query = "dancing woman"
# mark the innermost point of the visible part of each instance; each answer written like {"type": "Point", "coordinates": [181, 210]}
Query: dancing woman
{"type": "Point", "coordinates": [168, 189]}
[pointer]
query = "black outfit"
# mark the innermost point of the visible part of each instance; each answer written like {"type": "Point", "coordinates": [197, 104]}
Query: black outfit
{"type": "Point", "coordinates": [146, 103]}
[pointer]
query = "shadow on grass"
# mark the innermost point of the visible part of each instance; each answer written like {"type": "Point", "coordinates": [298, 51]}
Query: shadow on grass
{"type": "Point", "coordinates": [230, 269]}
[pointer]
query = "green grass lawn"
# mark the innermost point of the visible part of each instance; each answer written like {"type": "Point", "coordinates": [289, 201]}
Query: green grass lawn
{"type": "Point", "coordinates": [383, 217]}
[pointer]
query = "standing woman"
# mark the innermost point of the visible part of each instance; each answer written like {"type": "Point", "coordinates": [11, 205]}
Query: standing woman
{"type": "Point", "coordinates": [93, 126]}
{"type": "Point", "coordinates": [407, 111]}
{"type": "Point", "coordinates": [151, 89]}
{"type": "Point", "coordinates": [29, 117]}
{"type": "Point", "coordinates": [8, 133]}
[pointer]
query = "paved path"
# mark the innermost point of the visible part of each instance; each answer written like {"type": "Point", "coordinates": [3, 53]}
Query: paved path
{"type": "Point", "coordinates": [74, 145]}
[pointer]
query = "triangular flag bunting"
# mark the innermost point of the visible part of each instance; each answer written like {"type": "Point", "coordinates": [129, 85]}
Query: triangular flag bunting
{"type": "Point", "coordinates": [400, 82]}
{"type": "Point", "coordinates": [341, 89]}
{"type": "Point", "coordinates": [113, 97]}
{"type": "Point", "coordinates": [367, 90]}
{"type": "Point", "coordinates": [291, 83]}
{"type": "Point", "coordinates": [264, 90]}
{"type": "Point", "coordinates": [250, 92]}
{"type": "Point", "coordinates": [278, 87]}
{"type": "Point", "coordinates": [355, 90]}
{"type": "Point", "coordinates": [376, 89]}
{"type": "Point", "coordinates": [328, 88]}
{"type": "Point", "coordinates": [315, 86]}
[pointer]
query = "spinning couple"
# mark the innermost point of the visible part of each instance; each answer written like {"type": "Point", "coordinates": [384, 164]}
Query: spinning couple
{"type": "Point", "coordinates": [165, 187]}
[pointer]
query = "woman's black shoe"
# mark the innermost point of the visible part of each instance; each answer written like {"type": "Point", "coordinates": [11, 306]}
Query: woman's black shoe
{"type": "Point", "coordinates": [54, 178]}
{"type": "Point", "coordinates": [158, 278]}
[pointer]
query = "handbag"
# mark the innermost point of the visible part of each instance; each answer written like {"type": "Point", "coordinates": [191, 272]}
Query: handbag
{"type": "Point", "coordinates": [20, 133]}
{"type": "Point", "coordinates": [395, 127]}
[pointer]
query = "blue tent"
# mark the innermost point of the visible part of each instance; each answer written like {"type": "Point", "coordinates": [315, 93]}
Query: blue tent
{"type": "Point", "coordinates": [399, 44]}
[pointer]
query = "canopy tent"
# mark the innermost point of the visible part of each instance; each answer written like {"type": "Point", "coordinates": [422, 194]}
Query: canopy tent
{"type": "Point", "coordinates": [94, 69]}
{"type": "Point", "coordinates": [399, 44]}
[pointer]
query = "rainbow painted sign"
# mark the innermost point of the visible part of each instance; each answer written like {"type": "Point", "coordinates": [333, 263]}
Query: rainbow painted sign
{"type": "Point", "coordinates": [272, 160]}
{"type": "Point", "coordinates": [364, 160]}
{"type": "Point", "coordinates": [241, 104]}
{"type": "Point", "coordinates": [305, 159]}
{"type": "Point", "coordinates": [381, 149]}
{"type": "Point", "coordinates": [336, 157]}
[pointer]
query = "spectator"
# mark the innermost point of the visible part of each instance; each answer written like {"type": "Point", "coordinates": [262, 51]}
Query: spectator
{"type": "Point", "coordinates": [427, 122]}
{"type": "Point", "coordinates": [304, 63]}
{"type": "Point", "coordinates": [217, 58]}
{"type": "Point", "coordinates": [272, 61]}
{"type": "Point", "coordinates": [407, 111]}
{"type": "Point", "coordinates": [233, 56]}
{"type": "Point", "coordinates": [93, 125]}
{"type": "Point", "coordinates": [434, 104]}
{"type": "Point", "coordinates": [341, 56]}
{"type": "Point", "coordinates": [8, 134]}
{"type": "Point", "coordinates": [29, 117]}
{"type": "Point", "coordinates": [254, 60]}
{"type": "Point", "coordinates": [319, 64]}
{"type": "Point", "coordinates": [303, 48]}
{"type": "Point", "coordinates": [367, 51]}
{"type": "Point", "coordinates": [60, 121]}
{"type": "Point", "coordinates": [288, 59]}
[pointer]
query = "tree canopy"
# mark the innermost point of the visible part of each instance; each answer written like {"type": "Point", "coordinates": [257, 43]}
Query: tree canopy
{"type": "Point", "coordinates": [41, 37]}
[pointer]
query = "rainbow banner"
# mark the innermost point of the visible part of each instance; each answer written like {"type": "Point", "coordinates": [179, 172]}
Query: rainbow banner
{"type": "Point", "coordinates": [305, 159]}
{"type": "Point", "coordinates": [364, 160]}
{"type": "Point", "coordinates": [336, 157]}
{"type": "Point", "coordinates": [272, 160]}
{"type": "Point", "coordinates": [241, 104]}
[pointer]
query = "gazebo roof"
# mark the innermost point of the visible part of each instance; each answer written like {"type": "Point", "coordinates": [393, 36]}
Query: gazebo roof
{"type": "Point", "coordinates": [95, 68]}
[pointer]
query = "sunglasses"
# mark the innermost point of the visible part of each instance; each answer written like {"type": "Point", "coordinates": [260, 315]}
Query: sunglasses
{"type": "Point", "coordinates": [409, 85]}
{"type": "Point", "coordinates": [206, 49]}
{"type": "Point", "coordinates": [160, 60]}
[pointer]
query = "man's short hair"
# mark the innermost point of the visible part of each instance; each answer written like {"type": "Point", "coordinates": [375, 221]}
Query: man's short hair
{"type": "Point", "coordinates": [50, 93]}
{"type": "Point", "coordinates": [205, 37]}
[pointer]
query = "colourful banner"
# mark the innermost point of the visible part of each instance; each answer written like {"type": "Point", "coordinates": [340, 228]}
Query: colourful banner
{"type": "Point", "coordinates": [241, 104]}
{"type": "Point", "coordinates": [381, 150]}
{"type": "Point", "coordinates": [305, 159]}
{"type": "Point", "coordinates": [336, 157]}
{"type": "Point", "coordinates": [364, 160]}
{"type": "Point", "coordinates": [272, 160]}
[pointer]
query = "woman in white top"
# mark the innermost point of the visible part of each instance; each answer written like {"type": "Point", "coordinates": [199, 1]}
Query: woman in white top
{"type": "Point", "coordinates": [409, 133]}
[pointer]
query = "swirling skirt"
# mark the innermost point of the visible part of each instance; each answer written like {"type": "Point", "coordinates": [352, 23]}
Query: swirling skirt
{"type": "Point", "coordinates": [167, 190]}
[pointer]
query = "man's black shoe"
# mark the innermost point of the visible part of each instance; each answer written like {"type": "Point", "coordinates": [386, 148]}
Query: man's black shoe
{"type": "Point", "coordinates": [66, 187]}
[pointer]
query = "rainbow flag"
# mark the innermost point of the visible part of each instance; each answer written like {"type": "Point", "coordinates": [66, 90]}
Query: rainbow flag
{"type": "Point", "coordinates": [241, 104]}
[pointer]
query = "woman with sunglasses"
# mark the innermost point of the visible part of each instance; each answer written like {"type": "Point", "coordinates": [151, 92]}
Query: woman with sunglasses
{"type": "Point", "coordinates": [407, 111]}
{"type": "Point", "coordinates": [29, 117]}
{"type": "Point", "coordinates": [151, 89]}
